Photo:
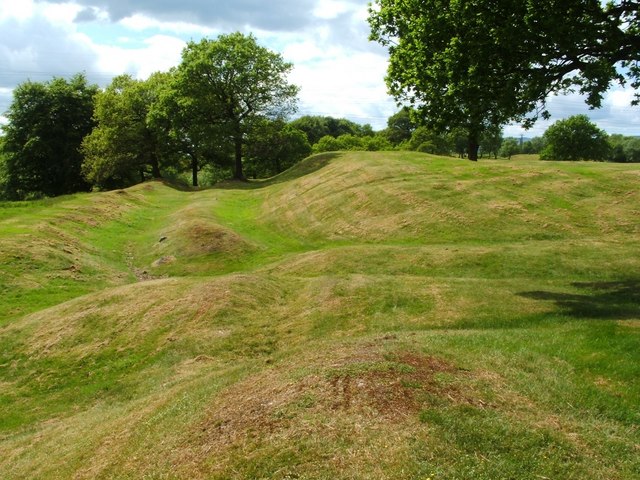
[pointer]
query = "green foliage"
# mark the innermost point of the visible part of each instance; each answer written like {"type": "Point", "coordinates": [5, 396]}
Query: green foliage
{"type": "Point", "coordinates": [126, 146]}
{"type": "Point", "coordinates": [510, 146]}
{"type": "Point", "coordinates": [458, 138]}
{"type": "Point", "coordinates": [274, 146]}
{"type": "Point", "coordinates": [316, 127]}
{"type": "Point", "coordinates": [478, 64]}
{"type": "Point", "coordinates": [425, 140]}
{"type": "Point", "coordinates": [631, 150]}
{"type": "Point", "coordinates": [491, 140]}
{"type": "Point", "coordinates": [327, 143]}
{"type": "Point", "coordinates": [376, 143]}
{"type": "Point", "coordinates": [47, 122]}
{"type": "Point", "coordinates": [447, 66]}
{"type": "Point", "coordinates": [203, 143]}
{"type": "Point", "coordinates": [350, 142]}
{"type": "Point", "coordinates": [624, 149]}
{"type": "Point", "coordinates": [575, 138]}
{"type": "Point", "coordinates": [400, 127]}
{"type": "Point", "coordinates": [228, 83]}
{"type": "Point", "coordinates": [342, 126]}
{"type": "Point", "coordinates": [3, 168]}
{"type": "Point", "coordinates": [533, 145]}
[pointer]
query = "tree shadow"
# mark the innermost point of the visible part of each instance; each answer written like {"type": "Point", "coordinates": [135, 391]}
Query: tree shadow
{"type": "Point", "coordinates": [601, 300]}
{"type": "Point", "coordinates": [305, 167]}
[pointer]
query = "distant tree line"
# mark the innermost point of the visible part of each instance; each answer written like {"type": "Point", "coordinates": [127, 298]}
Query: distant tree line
{"type": "Point", "coordinates": [224, 113]}
{"type": "Point", "coordinates": [576, 138]}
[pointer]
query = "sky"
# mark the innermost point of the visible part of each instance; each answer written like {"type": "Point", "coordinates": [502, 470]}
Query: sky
{"type": "Point", "coordinates": [340, 72]}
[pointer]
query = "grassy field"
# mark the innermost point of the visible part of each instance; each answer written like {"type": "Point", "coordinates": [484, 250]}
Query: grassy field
{"type": "Point", "coordinates": [362, 316]}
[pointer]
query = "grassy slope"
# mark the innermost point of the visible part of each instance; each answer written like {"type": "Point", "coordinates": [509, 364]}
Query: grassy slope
{"type": "Point", "coordinates": [362, 316]}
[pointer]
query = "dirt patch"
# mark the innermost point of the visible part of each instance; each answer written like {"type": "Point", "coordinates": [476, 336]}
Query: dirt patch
{"type": "Point", "coordinates": [368, 388]}
{"type": "Point", "coordinates": [395, 389]}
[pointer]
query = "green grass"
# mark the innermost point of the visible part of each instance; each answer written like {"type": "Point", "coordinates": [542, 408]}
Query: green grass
{"type": "Point", "coordinates": [363, 315]}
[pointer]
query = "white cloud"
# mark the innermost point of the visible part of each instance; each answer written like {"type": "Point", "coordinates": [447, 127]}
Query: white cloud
{"type": "Point", "coordinates": [61, 15]}
{"type": "Point", "coordinates": [161, 52]}
{"type": "Point", "coordinates": [345, 84]}
{"type": "Point", "coordinates": [140, 23]}
{"type": "Point", "coordinates": [16, 10]}
{"type": "Point", "coordinates": [329, 9]}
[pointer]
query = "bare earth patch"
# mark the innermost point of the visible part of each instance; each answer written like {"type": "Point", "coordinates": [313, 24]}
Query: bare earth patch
{"type": "Point", "coordinates": [363, 388]}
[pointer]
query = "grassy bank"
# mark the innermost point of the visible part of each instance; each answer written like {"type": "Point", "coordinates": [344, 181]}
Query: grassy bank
{"type": "Point", "coordinates": [365, 315]}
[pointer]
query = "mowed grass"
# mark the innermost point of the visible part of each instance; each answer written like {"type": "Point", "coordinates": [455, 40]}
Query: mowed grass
{"type": "Point", "coordinates": [364, 315]}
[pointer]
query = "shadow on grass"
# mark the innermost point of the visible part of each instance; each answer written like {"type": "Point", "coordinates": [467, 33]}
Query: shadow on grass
{"type": "Point", "coordinates": [601, 300]}
{"type": "Point", "coordinates": [305, 167]}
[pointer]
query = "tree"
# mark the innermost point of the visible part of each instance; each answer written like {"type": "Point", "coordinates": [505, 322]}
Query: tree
{"type": "Point", "coordinates": [273, 146]}
{"type": "Point", "coordinates": [47, 122]}
{"type": "Point", "coordinates": [342, 126]}
{"type": "Point", "coordinates": [315, 127]}
{"type": "Point", "coordinates": [509, 148]}
{"type": "Point", "coordinates": [476, 64]}
{"type": "Point", "coordinates": [232, 81]}
{"type": "Point", "coordinates": [327, 144]}
{"type": "Point", "coordinates": [446, 64]}
{"type": "Point", "coordinates": [533, 145]}
{"type": "Point", "coordinates": [458, 138]}
{"type": "Point", "coordinates": [3, 168]}
{"type": "Point", "coordinates": [632, 150]}
{"type": "Point", "coordinates": [491, 140]}
{"type": "Point", "coordinates": [427, 141]}
{"type": "Point", "coordinates": [400, 127]}
{"type": "Point", "coordinates": [575, 138]}
{"type": "Point", "coordinates": [126, 146]}
{"type": "Point", "coordinates": [192, 136]}
{"type": "Point", "coordinates": [352, 143]}
{"type": "Point", "coordinates": [624, 149]}
{"type": "Point", "coordinates": [376, 143]}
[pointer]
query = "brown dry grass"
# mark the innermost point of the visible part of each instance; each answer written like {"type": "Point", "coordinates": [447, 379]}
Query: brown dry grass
{"type": "Point", "coordinates": [191, 237]}
{"type": "Point", "coordinates": [321, 397]}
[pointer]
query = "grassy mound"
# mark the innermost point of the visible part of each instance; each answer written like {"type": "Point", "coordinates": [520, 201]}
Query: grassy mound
{"type": "Point", "coordinates": [364, 315]}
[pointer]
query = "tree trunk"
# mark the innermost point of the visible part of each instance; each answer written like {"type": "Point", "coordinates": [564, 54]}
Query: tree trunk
{"type": "Point", "coordinates": [194, 170]}
{"type": "Point", "coordinates": [155, 167]}
{"type": "Point", "coordinates": [237, 174]}
{"type": "Point", "coordinates": [473, 147]}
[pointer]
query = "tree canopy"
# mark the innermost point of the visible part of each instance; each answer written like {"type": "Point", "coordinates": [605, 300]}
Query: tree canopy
{"type": "Point", "coordinates": [274, 146]}
{"type": "Point", "coordinates": [400, 127]}
{"type": "Point", "coordinates": [47, 122]}
{"type": "Point", "coordinates": [231, 82]}
{"type": "Point", "coordinates": [575, 138]}
{"type": "Point", "coordinates": [316, 127]}
{"type": "Point", "coordinates": [475, 65]}
{"type": "Point", "coordinates": [126, 145]}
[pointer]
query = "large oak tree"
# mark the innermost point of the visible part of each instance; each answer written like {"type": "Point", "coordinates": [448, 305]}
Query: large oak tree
{"type": "Point", "coordinates": [477, 64]}
{"type": "Point", "coordinates": [228, 83]}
